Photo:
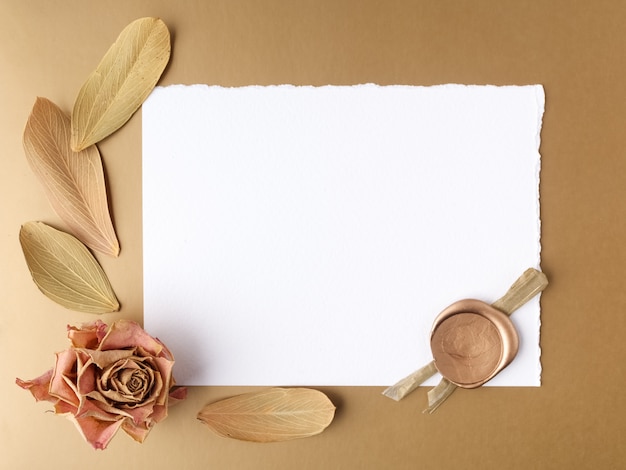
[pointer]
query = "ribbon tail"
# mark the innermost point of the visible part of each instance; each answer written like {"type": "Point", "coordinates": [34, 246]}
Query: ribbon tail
{"type": "Point", "coordinates": [405, 386]}
{"type": "Point", "coordinates": [439, 394]}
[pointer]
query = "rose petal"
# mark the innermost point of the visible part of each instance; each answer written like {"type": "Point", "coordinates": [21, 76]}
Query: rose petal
{"type": "Point", "coordinates": [165, 368]}
{"type": "Point", "coordinates": [137, 432]}
{"type": "Point", "coordinates": [62, 407]}
{"type": "Point", "coordinates": [141, 414]}
{"type": "Point", "coordinates": [158, 391]}
{"type": "Point", "coordinates": [61, 384]}
{"type": "Point", "coordinates": [88, 335]}
{"type": "Point", "coordinates": [166, 353]}
{"type": "Point", "coordinates": [39, 387]}
{"type": "Point", "coordinates": [100, 410]}
{"type": "Point", "coordinates": [177, 395]}
{"type": "Point", "coordinates": [159, 413]}
{"type": "Point", "coordinates": [97, 432]}
{"type": "Point", "coordinates": [105, 358]}
{"type": "Point", "coordinates": [86, 380]}
{"type": "Point", "coordinates": [95, 395]}
{"type": "Point", "coordinates": [124, 334]}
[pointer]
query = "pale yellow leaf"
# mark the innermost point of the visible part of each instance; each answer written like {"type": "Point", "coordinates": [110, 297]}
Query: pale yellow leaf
{"type": "Point", "coordinates": [65, 271]}
{"type": "Point", "coordinates": [276, 414]}
{"type": "Point", "coordinates": [73, 181]}
{"type": "Point", "coordinates": [122, 81]}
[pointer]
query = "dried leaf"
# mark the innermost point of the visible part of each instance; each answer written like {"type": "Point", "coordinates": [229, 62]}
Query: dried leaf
{"type": "Point", "coordinates": [73, 181]}
{"type": "Point", "coordinates": [65, 271]}
{"type": "Point", "coordinates": [276, 414]}
{"type": "Point", "coordinates": [122, 81]}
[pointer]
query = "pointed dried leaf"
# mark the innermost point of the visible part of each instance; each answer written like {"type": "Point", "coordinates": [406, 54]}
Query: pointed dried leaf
{"type": "Point", "coordinates": [73, 181]}
{"type": "Point", "coordinates": [122, 81]}
{"type": "Point", "coordinates": [276, 414]}
{"type": "Point", "coordinates": [65, 271]}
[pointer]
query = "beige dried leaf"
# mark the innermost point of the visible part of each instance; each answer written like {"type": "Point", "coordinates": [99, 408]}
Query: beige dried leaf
{"type": "Point", "coordinates": [65, 271]}
{"type": "Point", "coordinates": [276, 414]}
{"type": "Point", "coordinates": [73, 181]}
{"type": "Point", "coordinates": [122, 81]}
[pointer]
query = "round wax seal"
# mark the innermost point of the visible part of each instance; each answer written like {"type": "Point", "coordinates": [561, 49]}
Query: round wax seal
{"type": "Point", "coordinates": [471, 342]}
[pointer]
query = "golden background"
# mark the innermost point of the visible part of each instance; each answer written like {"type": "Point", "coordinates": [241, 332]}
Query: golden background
{"type": "Point", "coordinates": [577, 50]}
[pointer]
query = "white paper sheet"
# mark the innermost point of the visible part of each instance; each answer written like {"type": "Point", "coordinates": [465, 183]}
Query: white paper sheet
{"type": "Point", "coordinates": [310, 235]}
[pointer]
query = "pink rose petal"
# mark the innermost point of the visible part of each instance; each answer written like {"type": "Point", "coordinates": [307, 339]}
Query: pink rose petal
{"type": "Point", "coordinates": [61, 407]}
{"type": "Point", "coordinates": [165, 368]}
{"type": "Point", "coordinates": [124, 334]}
{"type": "Point", "coordinates": [177, 395]}
{"type": "Point", "coordinates": [99, 409]}
{"type": "Point", "coordinates": [159, 413]}
{"type": "Point", "coordinates": [97, 432]}
{"type": "Point", "coordinates": [86, 380]}
{"type": "Point", "coordinates": [62, 384]}
{"type": "Point", "coordinates": [39, 387]}
{"type": "Point", "coordinates": [88, 335]}
{"type": "Point", "coordinates": [141, 414]}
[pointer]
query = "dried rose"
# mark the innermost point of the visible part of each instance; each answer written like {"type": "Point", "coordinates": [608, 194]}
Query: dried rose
{"type": "Point", "coordinates": [111, 378]}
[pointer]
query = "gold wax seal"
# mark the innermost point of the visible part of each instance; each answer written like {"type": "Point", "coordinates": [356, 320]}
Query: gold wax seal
{"type": "Point", "coordinates": [471, 342]}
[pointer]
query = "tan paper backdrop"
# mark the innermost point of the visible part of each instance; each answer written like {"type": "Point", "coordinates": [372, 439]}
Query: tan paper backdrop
{"type": "Point", "coordinates": [577, 50]}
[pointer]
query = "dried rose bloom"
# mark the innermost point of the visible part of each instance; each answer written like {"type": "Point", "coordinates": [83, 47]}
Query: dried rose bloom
{"type": "Point", "coordinates": [110, 378]}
